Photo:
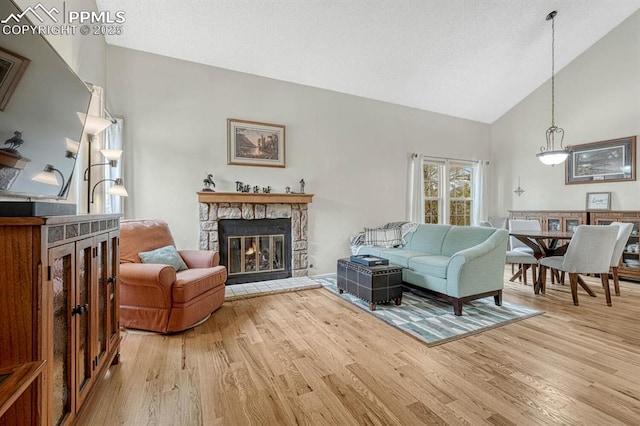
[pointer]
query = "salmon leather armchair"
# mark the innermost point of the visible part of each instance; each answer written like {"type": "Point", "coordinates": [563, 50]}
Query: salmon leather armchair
{"type": "Point", "coordinates": [156, 297]}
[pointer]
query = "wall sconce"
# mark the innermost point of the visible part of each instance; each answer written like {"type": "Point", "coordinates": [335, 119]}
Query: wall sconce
{"type": "Point", "coordinates": [93, 126]}
{"type": "Point", "coordinates": [47, 176]}
{"type": "Point", "coordinates": [117, 189]}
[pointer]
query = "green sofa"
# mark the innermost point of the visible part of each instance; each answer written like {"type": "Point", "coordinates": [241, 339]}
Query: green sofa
{"type": "Point", "coordinates": [457, 263]}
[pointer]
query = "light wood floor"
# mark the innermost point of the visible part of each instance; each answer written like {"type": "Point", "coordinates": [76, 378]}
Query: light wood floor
{"type": "Point", "coordinates": [310, 358]}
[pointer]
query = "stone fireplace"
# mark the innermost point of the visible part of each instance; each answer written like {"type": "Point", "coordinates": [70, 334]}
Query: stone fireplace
{"type": "Point", "coordinates": [252, 246]}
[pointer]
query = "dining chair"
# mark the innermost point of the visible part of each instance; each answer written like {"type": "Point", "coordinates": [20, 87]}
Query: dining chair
{"type": "Point", "coordinates": [519, 253]}
{"type": "Point", "coordinates": [522, 225]}
{"type": "Point", "coordinates": [624, 231]}
{"type": "Point", "coordinates": [524, 261]}
{"type": "Point", "coordinates": [589, 252]}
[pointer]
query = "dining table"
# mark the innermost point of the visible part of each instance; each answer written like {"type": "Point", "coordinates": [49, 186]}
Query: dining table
{"type": "Point", "coordinates": [545, 244]}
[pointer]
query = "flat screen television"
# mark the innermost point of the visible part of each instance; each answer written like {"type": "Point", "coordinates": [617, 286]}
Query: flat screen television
{"type": "Point", "coordinates": [40, 97]}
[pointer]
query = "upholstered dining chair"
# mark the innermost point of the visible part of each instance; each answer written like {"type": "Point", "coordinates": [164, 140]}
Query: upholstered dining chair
{"type": "Point", "coordinates": [624, 231]}
{"type": "Point", "coordinates": [590, 251]}
{"type": "Point", "coordinates": [519, 253]}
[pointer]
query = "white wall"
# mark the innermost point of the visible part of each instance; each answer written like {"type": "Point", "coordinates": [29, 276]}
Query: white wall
{"type": "Point", "coordinates": [352, 152]}
{"type": "Point", "coordinates": [597, 98]}
{"type": "Point", "coordinates": [85, 54]}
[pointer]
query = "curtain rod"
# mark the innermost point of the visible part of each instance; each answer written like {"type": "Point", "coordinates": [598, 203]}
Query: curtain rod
{"type": "Point", "coordinates": [415, 155]}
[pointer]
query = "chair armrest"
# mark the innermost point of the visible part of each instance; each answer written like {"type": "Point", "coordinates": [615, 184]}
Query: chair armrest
{"type": "Point", "coordinates": [200, 258]}
{"type": "Point", "coordinates": [146, 284]}
{"type": "Point", "coordinates": [147, 274]}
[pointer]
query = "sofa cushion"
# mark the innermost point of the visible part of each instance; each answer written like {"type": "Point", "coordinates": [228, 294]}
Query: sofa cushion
{"type": "Point", "coordinates": [430, 265]}
{"type": "Point", "coordinates": [428, 239]}
{"type": "Point", "coordinates": [399, 257]}
{"type": "Point", "coordinates": [167, 255]}
{"type": "Point", "coordinates": [463, 237]}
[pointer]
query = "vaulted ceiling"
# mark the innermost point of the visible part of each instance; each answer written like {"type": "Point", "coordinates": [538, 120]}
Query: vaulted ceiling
{"type": "Point", "coordinates": [472, 59]}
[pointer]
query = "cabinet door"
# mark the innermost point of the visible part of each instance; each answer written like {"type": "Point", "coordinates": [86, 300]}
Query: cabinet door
{"type": "Point", "coordinates": [103, 270]}
{"type": "Point", "coordinates": [630, 262]}
{"type": "Point", "coordinates": [81, 314]}
{"type": "Point", "coordinates": [60, 375]}
{"type": "Point", "coordinates": [113, 296]}
{"type": "Point", "coordinates": [554, 224]}
{"type": "Point", "coordinates": [570, 224]}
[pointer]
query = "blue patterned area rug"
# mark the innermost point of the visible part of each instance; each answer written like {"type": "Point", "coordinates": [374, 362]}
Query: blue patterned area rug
{"type": "Point", "coordinates": [432, 320]}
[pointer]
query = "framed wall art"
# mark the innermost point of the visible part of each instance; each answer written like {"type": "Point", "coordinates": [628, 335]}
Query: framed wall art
{"type": "Point", "coordinates": [607, 161]}
{"type": "Point", "coordinates": [598, 201]}
{"type": "Point", "coordinates": [251, 143]}
{"type": "Point", "coordinates": [12, 66]}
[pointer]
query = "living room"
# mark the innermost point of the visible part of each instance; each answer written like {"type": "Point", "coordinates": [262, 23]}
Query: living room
{"type": "Point", "coordinates": [354, 155]}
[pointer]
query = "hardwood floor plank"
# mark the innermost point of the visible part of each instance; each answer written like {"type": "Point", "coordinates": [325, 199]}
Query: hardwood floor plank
{"type": "Point", "coordinates": [310, 358]}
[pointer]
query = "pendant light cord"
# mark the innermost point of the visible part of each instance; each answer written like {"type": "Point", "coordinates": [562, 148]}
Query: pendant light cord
{"type": "Point", "coordinates": [553, 68]}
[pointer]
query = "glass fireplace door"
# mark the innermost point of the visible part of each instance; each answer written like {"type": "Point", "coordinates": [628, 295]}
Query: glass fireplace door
{"type": "Point", "coordinates": [256, 253]}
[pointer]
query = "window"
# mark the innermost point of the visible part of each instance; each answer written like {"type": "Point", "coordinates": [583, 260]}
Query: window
{"type": "Point", "coordinates": [448, 195]}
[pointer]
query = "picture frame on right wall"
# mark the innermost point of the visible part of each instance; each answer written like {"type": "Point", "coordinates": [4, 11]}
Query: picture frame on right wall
{"type": "Point", "coordinates": [606, 161]}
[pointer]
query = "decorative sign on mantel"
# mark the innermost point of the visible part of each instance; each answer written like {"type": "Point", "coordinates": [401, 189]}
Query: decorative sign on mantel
{"type": "Point", "coordinates": [247, 197]}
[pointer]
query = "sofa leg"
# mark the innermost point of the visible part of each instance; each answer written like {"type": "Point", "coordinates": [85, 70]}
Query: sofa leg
{"type": "Point", "coordinates": [498, 298]}
{"type": "Point", "coordinates": [457, 307]}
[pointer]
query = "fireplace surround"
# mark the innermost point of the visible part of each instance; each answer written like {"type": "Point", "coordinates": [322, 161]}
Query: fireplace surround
{"type": "Point", "coordinates": [217, 206]}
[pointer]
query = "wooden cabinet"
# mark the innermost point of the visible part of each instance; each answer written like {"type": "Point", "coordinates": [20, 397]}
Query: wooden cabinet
{"type": "Point", "coordinates": [565, 221]}
{"type": "Point", "coordinates": [63, 271]}
{"type": "Point", "coordinates": [630, 262]}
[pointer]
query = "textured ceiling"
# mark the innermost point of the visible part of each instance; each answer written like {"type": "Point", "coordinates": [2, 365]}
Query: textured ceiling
{"type": "Point", "coordinates": [466, 58]}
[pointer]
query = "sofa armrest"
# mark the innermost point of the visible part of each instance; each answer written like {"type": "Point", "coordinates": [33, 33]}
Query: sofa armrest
{"type": "Point", "coordinates": [145, 284]}
{"type": "Point", "coordinates": [479, 268]}
{"type": "Point", "coordinates": [200, 258]}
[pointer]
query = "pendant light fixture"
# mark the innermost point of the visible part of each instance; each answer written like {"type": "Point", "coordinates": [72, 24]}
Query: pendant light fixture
{"type": "Point", "coordinates": [549, 155]}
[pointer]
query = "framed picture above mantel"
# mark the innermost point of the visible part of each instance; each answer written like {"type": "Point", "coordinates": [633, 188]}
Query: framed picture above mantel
{"type": "Point", "coordinates": [606, 161]}
{"type": "Point", "coordinates": [251, 143]}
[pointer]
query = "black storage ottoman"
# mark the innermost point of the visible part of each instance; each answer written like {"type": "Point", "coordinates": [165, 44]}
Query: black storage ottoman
{"type": "Point", "coordinates": [374, 284]}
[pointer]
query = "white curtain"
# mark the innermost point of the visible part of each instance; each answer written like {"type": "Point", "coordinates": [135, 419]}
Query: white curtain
{"type": "Point", "coordinates": [415, 205]}
{"type": "Point", "coordinates": [479, 208]}
{"type": "Point", "coordinates": [113, 140]}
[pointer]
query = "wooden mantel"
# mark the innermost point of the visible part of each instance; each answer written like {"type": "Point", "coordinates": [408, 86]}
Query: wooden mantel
{"type": "Point", "coordinates": [248, 197]}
